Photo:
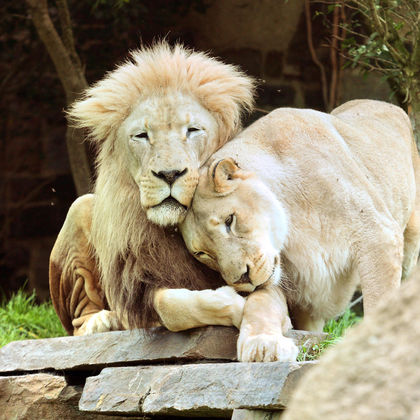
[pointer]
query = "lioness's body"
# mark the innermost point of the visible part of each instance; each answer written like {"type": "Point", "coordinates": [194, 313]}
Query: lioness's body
{"type": "Point", "coordinates": [335, 195]}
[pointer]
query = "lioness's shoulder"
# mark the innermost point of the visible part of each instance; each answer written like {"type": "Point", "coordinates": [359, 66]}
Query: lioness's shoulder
{"type": "Point", "coordinates": [287, 118]}
{"type": "Point", "coordinates": [370, 108]}
{"type": "Point", "coordinates": [382, 117]}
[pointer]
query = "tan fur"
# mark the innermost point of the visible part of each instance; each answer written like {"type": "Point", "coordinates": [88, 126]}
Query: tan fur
{"type": "Point", "coordinates": [166, 110]}
{"type": "Point", "coordinates": [314, 203]}
{"type": "Point", "coordinates": [373, 373]}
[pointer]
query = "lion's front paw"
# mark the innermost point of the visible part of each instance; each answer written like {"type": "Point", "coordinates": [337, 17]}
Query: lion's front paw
{"type": "Point", "coordinates": [102, 321]}
{"type": "Point", "coordinates": [266, 348]}
{"type": "Point", "coordinates": [232, 302]}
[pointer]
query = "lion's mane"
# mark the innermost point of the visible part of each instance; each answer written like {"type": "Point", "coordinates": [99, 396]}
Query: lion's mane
{"type": "Point", "coordinates": [135, 256]}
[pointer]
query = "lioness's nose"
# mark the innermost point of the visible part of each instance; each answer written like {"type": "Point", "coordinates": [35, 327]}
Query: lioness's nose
{"type": "Point", "coordinates": [245, 277]}
{"type": "Point", "coordinates": [170, 176]}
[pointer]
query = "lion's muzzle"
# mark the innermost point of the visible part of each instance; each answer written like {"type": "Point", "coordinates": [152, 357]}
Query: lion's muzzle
{"type": "Point", "coordinates": [170, 176]}
{"type": "Point", "coordinates": [166, 192]}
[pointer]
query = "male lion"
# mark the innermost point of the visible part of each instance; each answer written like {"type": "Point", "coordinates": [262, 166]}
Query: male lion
{"type": "Point", "coordinates": [155, 120]}
{"type": "Point", "coordinates": [314, 203]}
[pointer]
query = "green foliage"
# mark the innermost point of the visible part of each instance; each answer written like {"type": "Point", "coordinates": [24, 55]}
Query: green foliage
{"type": "Point", "coordinates": [335, 329]}
{"type": "Point", "coordinates": [21, 318]}
{"type": "Point", "coordinates": [383, 35]}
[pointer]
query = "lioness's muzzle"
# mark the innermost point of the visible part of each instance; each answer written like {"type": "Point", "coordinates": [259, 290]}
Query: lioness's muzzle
{"type": "Point", "coordinates": [244, 278]}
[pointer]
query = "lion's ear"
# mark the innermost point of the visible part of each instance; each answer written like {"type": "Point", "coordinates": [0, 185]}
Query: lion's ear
{"type": "Point", "coordinates": [225, 174]}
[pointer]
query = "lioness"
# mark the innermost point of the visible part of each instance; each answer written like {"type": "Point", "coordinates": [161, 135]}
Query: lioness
{"type": "Point", "coordinates": [313, 203]}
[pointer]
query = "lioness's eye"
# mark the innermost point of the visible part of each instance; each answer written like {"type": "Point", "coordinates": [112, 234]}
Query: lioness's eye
{"type": "Point", "coordinates": [229, 221]}
{"type": "Point", "coordinates": [143, 135]}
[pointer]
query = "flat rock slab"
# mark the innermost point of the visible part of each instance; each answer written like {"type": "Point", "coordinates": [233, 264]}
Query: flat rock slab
{"type": "Point", "coordinates": [242, 414]}
{"type": "Point", "coordinates": [42, 396]}
{"type": "Point", "coordinates": [134, 347]}
{"type": "Point", "coordinates": [203, 389]}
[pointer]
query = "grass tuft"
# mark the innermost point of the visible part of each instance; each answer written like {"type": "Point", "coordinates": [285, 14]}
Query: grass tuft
{"type": "Point", "coordinates": [22, 318]}
{"type": "Point", "coordinates": [335, 329]}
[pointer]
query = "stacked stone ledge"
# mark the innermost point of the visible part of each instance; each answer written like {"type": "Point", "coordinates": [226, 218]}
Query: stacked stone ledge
{"type": "Point", "coordinates": [129, 374]}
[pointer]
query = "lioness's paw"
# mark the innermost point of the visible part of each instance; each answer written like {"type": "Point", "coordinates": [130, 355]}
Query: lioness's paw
{"type": "Point", "coordinates": [266, 348]}
{"type": "Point", "coordinates": [102, 321]}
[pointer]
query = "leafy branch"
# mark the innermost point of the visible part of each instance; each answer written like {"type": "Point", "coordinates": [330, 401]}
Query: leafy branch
{"type": "Point", "coordinates": [384, 36]}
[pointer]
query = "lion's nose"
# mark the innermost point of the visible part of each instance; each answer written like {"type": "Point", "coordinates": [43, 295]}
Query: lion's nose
{"type": "Point", "coordinates": [170, 176]}
{"type": "Point", "coordinates": [244, 278]}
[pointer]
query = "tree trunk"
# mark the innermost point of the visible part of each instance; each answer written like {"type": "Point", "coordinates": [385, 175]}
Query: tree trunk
{"type": "Point", "coordinates": [72, 78]}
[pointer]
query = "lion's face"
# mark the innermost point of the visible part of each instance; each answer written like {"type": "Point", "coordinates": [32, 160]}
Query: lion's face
{"type": "Point", "coordinates": [166, 140]}
{"type": "Point", "coordinates": [236, 226]}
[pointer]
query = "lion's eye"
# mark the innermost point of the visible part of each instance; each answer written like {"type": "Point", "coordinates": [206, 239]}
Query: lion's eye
{"type": "Point", "coordinates": [228, 222]}
{"type": "Point", "coordinates": [192, 130]}
{"type": "Point", "coordinates": [143, 135]}
{"type": "Point", "coordinates": [201, 254]}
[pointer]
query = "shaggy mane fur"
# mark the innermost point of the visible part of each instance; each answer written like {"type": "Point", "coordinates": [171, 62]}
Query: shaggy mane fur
{"type": "Point", "coordinates": [157, 71]}
{"type": "Point", "coordinates": [134, 255]}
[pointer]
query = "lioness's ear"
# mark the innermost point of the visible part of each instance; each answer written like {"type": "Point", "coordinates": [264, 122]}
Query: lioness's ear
{"type": "Point", "coordinates": [225, 173]}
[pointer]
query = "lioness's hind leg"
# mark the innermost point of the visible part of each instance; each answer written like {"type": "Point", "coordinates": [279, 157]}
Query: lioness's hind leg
{"type": "Point", "coordinates": [411, 244]}
{"type": "Point", "coordinates": [380, 264]}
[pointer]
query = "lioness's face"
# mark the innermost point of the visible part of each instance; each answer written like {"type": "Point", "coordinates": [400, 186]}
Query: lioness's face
{"type": "Point", "coordinates": [236, 226]}
{"type": "Point", "coordinates": [167, 139]}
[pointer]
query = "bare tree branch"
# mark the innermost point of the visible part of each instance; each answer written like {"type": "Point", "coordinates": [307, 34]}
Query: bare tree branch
{"type": "Point", "coordinates": [333, 58]}
{"type": "Point", "coordinates": [315, 58]}
{"type": "Point", "coordinates": [67, 32]}
{"type": "Point", "coordinates": [73, 81]}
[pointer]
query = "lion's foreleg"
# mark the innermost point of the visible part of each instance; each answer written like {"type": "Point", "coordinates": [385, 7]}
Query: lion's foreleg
{"type": "Point", "coordinates": [182, 309]}
{"type": "Point", "coordinates": [97, 322]}
{"type": "Point", "coordinates": [74, 280]}
{"type": "Point", "coordinates": [265, 320]}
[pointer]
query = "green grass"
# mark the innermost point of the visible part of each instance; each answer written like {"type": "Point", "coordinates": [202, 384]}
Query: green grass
{"type": "Point", "coordinates": [21, 318]}
{"type": "Point", "coordinates": [335, 329]}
